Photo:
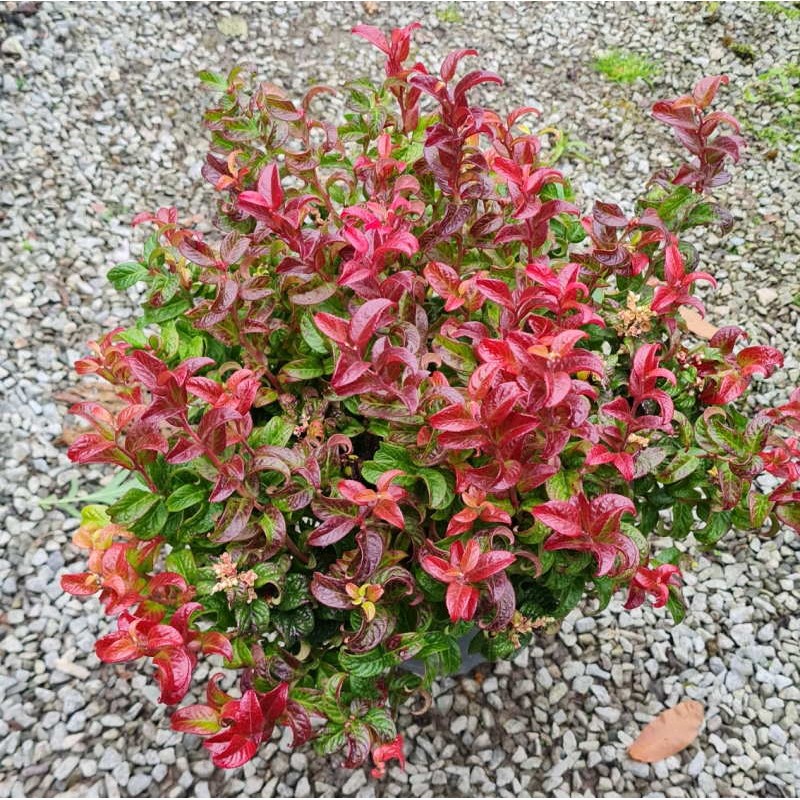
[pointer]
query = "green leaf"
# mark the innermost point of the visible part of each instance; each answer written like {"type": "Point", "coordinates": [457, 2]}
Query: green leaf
{"type": "Point", "coordinates": [311, 335]}
{"type": "Point", "coordinates": [271, 571]}
{"type": "Point", "coordinates": [132, 506]}
{"type": "Point", "coordinates": [789, 514]}
{"type": "Point", "coordinates": [182, 561]}
{"type": "Point", "coordinates": [440, 487]}
{"type": "Point", "coordinates": [635, 535]}
{"type": "Point", "coordinates": [367, 665]}
{"type": "Point", "coordinates": [149, 247]}
{"type": "Point", "coordinates": [191, 346]}
{"type": "Point", "coordinates": [276, 432]}
{"type": "Point", "coordinates": [153, 523]}
{"type": "Point", "coordinates": [294, 625]}
{"type": "Point", "coordinates": [675, 605]}
{"type": "Point", "coordinates": [604, 588]}
{"type": "Point", "coordinates": [241, 613]}
{"type": "Point", "coordinates": [498, 647]}
{"type": "Point", "coordinates": [199, 521]}
{"type": "Point", "coordinates": [95, 515]}
{"type": "Point", "coordinates": [567, 591]}
{"type": "Point", "coordinates": [719, 523]}
{"type": "Point", "coordinates": [176, 307]}
{"type": "Point", "coordinates": [364, 688]}
{"type": "Point", "coordinates": [679, 197]}
{"type": "Point", "coordinates": [457, 355]}
{"type": "Point", "coordinates": [303, 369]}
{"type": "Point", "coordinates": [681, 466]}
{"type": "Point", "coordinates": [648, 518]}
{"type": "Point", "coordinates": [295, 592]}
{"type": "Point", "coordinates": [432, 589]}
{"type": "Point", "coordinates": [135, 337]}
{"type": "Point", "coordinates": [759, 506]}
{"type": "Point", "coordinates": [670, 555]}
{"type": "Point", "coordinates": [380, 720]}
{"type": "Point", "coordinates": [242, 657]}
{"type": "Point", "coordinates": [731, 486]}
{"type": "Point", "coordinates": [536, 600]}
{"type": "Point", "coordinates": [648, 459]}
{"type": "Point", "coordinates": [128, 274]}
{"type": "Point", "coordinates": [331, 740]}
{"type": "Point", "coordinates": [212, 79]}
{"type": "Point", "coordinates": [259, 614]}
{"type": "Point", "coordinates": [170, 339]}
{"type": "Point", "coordinates": [391, 456]}
{"type": "Point", "coordinates": [725, 437]}
{"type": "Point", "coordinates": [441, 654]}
{"type": "Point", "coordinates": [166, 285]}
{"type": "Point", "coordinates": [574, 563]}
{"type": "Point", "coordinates": [682, 520]}
{"type": "Point", "coordinates": [562, 485]}
{"type": "Point", "coordinates": [215, 606]}
{"type": "Point", "coordinates": [701, 214]}
{"type": "Point", "coordinates": [186, 496]}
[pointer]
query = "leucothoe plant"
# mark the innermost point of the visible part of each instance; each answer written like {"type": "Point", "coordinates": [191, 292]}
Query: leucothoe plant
{"type": "Point", "coordinates": [405, 391]}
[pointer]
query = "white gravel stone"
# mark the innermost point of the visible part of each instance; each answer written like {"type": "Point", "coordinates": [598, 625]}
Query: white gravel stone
{"type": "Point", "coordinates": [99, 109]}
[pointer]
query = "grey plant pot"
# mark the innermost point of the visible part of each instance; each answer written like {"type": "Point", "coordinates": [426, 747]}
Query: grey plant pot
{"type": "Point", "coordinates": [469, 661]}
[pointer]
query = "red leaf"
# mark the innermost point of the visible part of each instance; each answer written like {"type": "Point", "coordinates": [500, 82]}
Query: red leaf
{"type": "Point", "coordinates": [373, 35]}
{"type": "Point", "coordinates": [255, 205]}
{"type": "Point", "coordinates": [448, 68]}
{"type": "Point", "coordinates": [471, 80]}
{"type": "Point", "coordinates": [706, 89]}
{"type": "Point", "coordinates": [453, 418]}
{"type": "Point", "coordinates": [490, 564]}
{"type": "Point", "coordinates": [249, 716]}
{"type": "Point", "coordinates": [330, 591]}
{"type": "Point", "coordinates": [273, 703]}
{"type": "Point", "coordinates": [366, 321]}
{"type": "Point", "coordinates": [88, 447]}
{"type": "Point", "coordinates": [80, 584]}
{"type": "Point", "coordinates": [495, 290]}
{"type": "Point", "coordinates": [116, 647]}
{"type": "Point", "coordinates": [183, 451]}
{"type": "Point", "coordinates": [198, 252]}
{"type": "Point", "coordinates": [269, 186]}
{"type": "Point", "coordinates": [333, 327]}
{"type": "Point", "coordinates": [390, 512]}
{"type": "Point", "coordinates": [760, 359]}
{"type": "Point", "coordinates": [238, 751]}
{"type": "Point", "coordinates": [461, 601]}
{"type": "Point", "coordinates": [197, 719]}
{"type": "Point", "coordinates": [436, 567]}
{"type": "Point", "coordinates": [331, 531]}
{"type": "Point", "coordinates": [216, 643]}
{"type": "Point", "coordinates": [444, 280]}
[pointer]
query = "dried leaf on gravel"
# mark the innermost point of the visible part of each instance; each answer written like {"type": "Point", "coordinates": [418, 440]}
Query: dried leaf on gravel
{"type": "Point", "coordinates": [669, 733]}
{"type": "Point", "coordinates": [696, 324]}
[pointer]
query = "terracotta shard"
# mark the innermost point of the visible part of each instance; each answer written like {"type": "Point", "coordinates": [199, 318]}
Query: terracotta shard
{"type": "Point", "coordinates": [669, 733]}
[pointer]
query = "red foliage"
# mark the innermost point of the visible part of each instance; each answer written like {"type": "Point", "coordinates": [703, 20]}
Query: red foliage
{"type": "Point", "coordinates": [405, 382]}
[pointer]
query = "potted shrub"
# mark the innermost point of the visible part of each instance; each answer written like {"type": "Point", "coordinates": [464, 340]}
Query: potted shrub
{"type": "Point", "coordinates": [406, 394]}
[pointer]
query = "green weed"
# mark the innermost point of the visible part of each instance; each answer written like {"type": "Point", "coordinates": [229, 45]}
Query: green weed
{"type": "Point", "coordinates": [449, 13]}
{"type": "Point", "coordinates": [790, 10]}
{"type": "Point", "coordinates": [105, 495]}
{"type": "Point", "coordinates": [779, 90]}
{"type": "Point", "coordinates": [620, 66]}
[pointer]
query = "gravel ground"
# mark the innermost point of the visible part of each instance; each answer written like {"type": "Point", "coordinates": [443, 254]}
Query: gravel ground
{"type": "Point", "coordinates": [99, 119]}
